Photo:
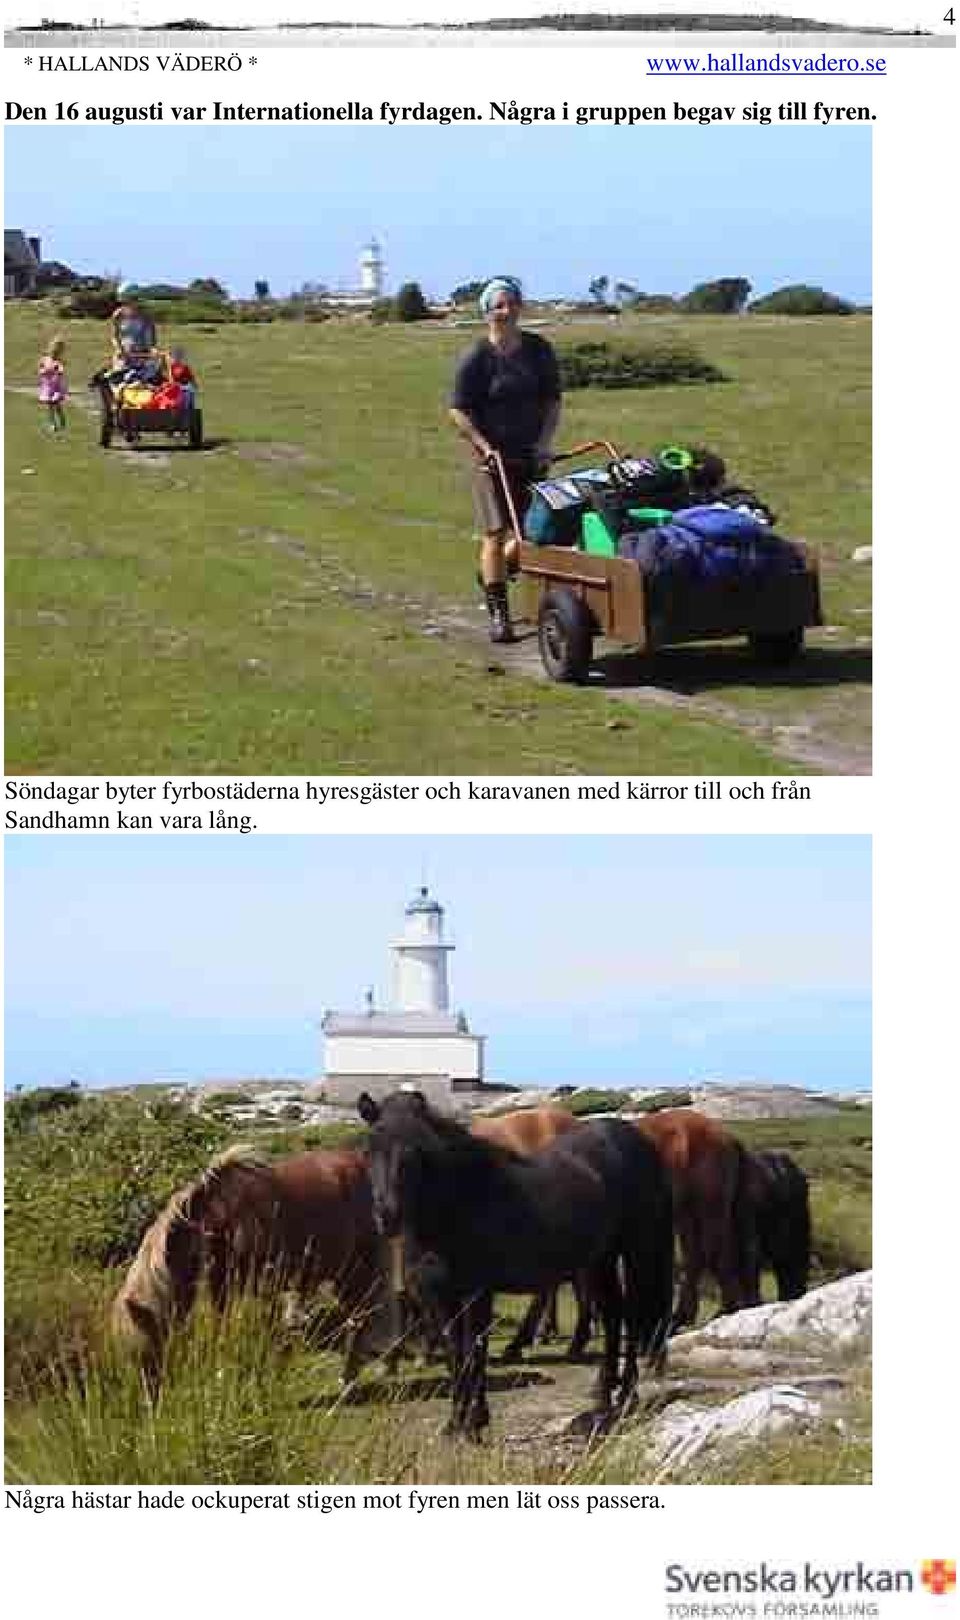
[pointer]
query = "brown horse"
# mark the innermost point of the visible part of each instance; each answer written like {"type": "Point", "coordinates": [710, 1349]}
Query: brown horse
{"type": "Point", "coordinates": [711, 1210]}
{"type": "Point", "coordinates": [527, 1131]}
{"type": "Point", "coordinates": [247, 1222]}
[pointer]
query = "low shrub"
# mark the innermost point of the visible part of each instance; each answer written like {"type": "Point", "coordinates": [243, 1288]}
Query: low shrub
{"type": "Point", "coordinates": [226, 1099]}
{"type": "Point", "coordinates": [801, 300]}
{"type": "Point", "coordinates": [88, 304]}
{"type": "Point", "coordinates": [84, 1184]}
{"type": "Point", "coordinates": [664, 1099]}
{"type": "Point", "coordinates": [24, 1109]}
{"type": "Point", "coordinates": [599, 364]}
{"type": "Point", "coordinates": [726, 296]}
{"type": "Point", "coordinates": [594, 1100]}
{"type": "Point", "coordinates": [339, 1134]}
{"type": "Point", "coordinates": [410, 304]}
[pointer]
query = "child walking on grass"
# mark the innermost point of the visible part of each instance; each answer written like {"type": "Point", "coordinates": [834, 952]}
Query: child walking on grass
{"type": "Point", "coordinates": [52, 390]}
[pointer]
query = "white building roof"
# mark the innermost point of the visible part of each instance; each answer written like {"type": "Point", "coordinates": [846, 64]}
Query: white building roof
{"type": "Point", "coordinates": [394, 1023]}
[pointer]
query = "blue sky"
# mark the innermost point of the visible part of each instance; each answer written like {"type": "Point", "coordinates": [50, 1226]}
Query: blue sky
{"type": "Point", "coordinates": [662, 207]}
{"type": "Point", "coordinates": [617, 960]}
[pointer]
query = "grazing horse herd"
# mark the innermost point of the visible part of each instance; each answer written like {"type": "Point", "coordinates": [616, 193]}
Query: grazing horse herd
{"type": "Point", "coordinates": [448, 1216]}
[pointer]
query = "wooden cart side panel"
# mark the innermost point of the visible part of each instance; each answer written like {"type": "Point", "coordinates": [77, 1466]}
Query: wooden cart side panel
{"type": "Point", "coordinates": [628, 603]}
{"type": "Point", "coordinates": [611, 587]}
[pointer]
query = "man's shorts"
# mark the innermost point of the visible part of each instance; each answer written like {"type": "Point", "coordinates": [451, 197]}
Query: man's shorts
{"type": "Point", "coordinates": [490, 510]}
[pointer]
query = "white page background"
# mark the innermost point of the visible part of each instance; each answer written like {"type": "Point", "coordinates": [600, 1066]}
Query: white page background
{"type": "Point", "coordinates": [560, 1564]}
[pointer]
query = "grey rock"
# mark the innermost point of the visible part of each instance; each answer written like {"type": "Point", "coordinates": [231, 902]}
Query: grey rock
{"type": "Point", "coordinates": [839, 1315]}
{"type": "Point", "coordinates": [685, 1432]}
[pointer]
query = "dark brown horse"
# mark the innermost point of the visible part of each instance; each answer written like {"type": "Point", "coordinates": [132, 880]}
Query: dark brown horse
{"type": "Point", "coordinates": [482, 1220]}
{"type": "Point", "coordinates": [287, 1224]}
{"type": "Point", "coordinates": [528, 1131]}
{"type": "Point", "coordinates": [779, 1200]}
{"type": "Point", "coordinates": [711, 1211]}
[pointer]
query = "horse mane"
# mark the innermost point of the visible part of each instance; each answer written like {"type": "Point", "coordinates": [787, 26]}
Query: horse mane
{"type": "Point", "coordinates": [143, 1308]}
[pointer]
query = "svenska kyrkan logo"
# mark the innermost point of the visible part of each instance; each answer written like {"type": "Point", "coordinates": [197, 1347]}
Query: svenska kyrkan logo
{"type": "Point", "coordinates": [939, 1575]}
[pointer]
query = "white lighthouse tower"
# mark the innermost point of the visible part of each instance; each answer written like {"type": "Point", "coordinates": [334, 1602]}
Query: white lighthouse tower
{"type": "Point", "coordinates": [417, 1039]}
{"type": "Point", "coordinates": [420, 959]}
{"type": "Point", "coordinates": [371, 271]}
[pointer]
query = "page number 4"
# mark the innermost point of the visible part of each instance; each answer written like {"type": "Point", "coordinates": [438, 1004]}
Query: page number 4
{"type": "Point", "coordinates": [949, 17]}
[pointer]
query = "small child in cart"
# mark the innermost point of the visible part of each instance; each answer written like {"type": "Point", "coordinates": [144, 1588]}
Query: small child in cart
{"type": "Point", "coordinates": [52, 385]}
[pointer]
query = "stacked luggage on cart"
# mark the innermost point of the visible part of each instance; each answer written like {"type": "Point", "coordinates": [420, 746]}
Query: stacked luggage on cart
{"type": "Point", "coordinates": [710, 561]}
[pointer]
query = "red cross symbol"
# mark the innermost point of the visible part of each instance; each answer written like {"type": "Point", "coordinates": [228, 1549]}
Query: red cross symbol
{"type": "Point", "coordinates": [939, 1575]}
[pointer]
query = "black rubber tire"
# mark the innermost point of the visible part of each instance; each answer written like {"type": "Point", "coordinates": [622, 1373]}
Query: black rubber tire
{"type": "Point", "coordinates": [565, 636]}
{"type": "Point", "coordinates": [778, 650]}
{"type": "Point", "coordinates": [195, 430]}
{"type": "Point", "coordinates": [106, 430]}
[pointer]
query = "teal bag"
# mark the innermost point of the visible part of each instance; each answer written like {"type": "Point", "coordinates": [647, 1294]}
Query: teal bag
{"type": "Point", "coordinates": [553, 516]}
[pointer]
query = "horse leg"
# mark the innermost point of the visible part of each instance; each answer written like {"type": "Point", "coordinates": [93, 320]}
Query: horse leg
{"type": "Point", "coordinates": [584, 1325]}
{"type": "Point", "coordinates": [736, 1265]}
{"type": "Point", "coordinates": [476, 1415]}
{"type": "Point", "coordinates": [219, 1277]}
{"type": "Point", "coordinates": [733, 1286]}
{"type": "Point", "coordinates": [633, 1284]}
{"type": "Point", "coordinates": [527, 1331]}
{"type": "Point", "coordinates": [648, 1266]}
{"type": "Point", "coordinates": [458, 1338]}
{"type": "Point", "coordinates": [605, 1290]}
{"type": "Point", "coordinates": [550, 1327]}
{"type": "Point", "coordinates": [691, 1265]}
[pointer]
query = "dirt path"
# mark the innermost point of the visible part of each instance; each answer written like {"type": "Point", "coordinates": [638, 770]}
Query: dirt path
{"type": "Point", "coordinates": [539, 1429]}
{"type": "Point", "coordinates": [674, 680]}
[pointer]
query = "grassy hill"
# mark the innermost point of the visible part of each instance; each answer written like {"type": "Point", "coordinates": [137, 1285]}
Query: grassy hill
{"type": "Point", "coordinates": [299, 597]}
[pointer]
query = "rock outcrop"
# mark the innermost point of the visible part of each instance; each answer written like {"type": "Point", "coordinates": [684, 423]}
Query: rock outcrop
{"type": "Point", "coordinates": [798, 1357]}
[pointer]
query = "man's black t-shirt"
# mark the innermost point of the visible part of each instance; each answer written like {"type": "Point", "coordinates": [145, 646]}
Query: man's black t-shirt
{"type": "Point", "coordinates": [507, 396]}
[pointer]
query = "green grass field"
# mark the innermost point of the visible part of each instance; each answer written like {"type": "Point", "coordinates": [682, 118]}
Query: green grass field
{"type": "Point", "coordinates": [241, 1406]}
{"type": "Point", "coordinates": [299, 598]}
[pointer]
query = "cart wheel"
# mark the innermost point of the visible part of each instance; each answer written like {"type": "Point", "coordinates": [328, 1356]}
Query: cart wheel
{"type": "Point", "coordinates": [565, 635]}
{"type": "Point", "coordinates": [778, 650]}
{"type": "Point", "coordinates": [106, 430]}
{"type": "Point", "coordinates": [195, 430]}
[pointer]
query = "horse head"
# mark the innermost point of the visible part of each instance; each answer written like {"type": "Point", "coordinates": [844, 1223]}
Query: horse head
{"type": "Point", "coordinates": [399, 1137]}
{"type": "Point", "coordinates": [161, 1286]}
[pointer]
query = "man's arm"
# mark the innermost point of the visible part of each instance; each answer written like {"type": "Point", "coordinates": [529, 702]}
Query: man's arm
{"type": "Point", "coordinates": [467, 430]}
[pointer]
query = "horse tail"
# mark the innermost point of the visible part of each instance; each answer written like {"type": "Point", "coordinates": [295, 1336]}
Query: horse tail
{"type": "Point", "coordinates": [650, 1253]}
{"type": "Point", "coordinates": [663, 1269]}
{"type": "Point", "coordinates": [161, 1282]}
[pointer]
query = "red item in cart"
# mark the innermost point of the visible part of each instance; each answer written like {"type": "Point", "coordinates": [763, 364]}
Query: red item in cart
{"type": "Point", "coordinates": [170, 397]}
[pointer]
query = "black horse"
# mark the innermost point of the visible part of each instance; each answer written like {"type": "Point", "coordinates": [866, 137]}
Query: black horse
{"type": "Point", "coordinates": [778, 1203]}
{"type": "Point", "coordinates": [480, 1220]}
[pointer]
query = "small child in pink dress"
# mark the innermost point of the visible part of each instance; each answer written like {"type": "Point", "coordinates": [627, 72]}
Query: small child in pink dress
{"type": "Point", "coordinates": [52, 388]}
